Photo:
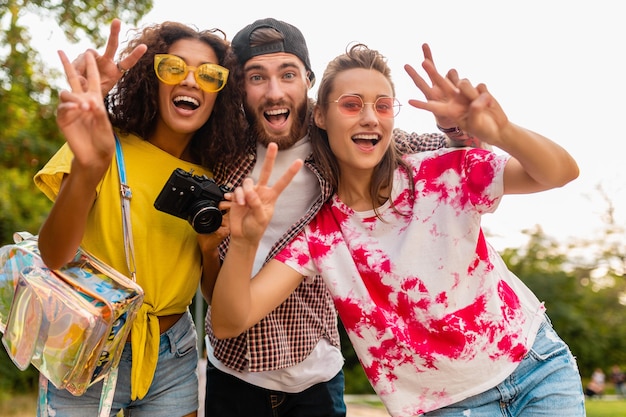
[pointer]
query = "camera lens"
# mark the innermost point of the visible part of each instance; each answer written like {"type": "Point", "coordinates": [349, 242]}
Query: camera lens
{"type": "Point", "coordinates": [206, 219]}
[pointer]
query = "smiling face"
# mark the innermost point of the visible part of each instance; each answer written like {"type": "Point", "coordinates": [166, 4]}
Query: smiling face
{"type": "Point", "coordinates": [276, 98]}
{"type": "Point", "coordinates": [184, 107]}
{"type": "Point", "coordinates": [358, 142]}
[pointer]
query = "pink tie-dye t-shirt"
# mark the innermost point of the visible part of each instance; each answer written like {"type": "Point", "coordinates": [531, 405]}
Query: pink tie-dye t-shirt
{"type": "Point", "coordinates": [430, 307]}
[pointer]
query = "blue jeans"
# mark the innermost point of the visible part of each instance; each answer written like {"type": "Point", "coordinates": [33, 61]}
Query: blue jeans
{"type": "Point", "coordinates": [174, 389]}
{"type": "Point", "coordinates": [229, 396]}
{"type": "Point", "coordinates": [545, 384]}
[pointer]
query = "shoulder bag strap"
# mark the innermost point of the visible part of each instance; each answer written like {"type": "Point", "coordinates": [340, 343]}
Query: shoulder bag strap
{"type": "Point", "coordinates": [126, 196]}
{"type": "Point", "coordinates": [110, 380]}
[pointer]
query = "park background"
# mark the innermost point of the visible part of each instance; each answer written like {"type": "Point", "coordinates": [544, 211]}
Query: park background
{"type": "Point", "coordinates": [556, 67]}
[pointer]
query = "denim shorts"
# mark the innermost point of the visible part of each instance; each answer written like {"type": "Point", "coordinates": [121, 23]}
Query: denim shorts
{"type": "Point", "coordinates": [174, 389]}
{"type": "Point", "coordinates": [546, 383]}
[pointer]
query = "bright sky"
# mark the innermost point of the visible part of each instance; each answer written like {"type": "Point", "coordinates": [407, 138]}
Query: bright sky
{"type": "Point", "coordinates": [556, 67]}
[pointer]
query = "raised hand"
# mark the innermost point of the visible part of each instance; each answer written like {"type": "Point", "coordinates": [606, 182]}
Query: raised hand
{"type": "Point", "coordinates": [484, 117]}
{"type": "Point", "coordinates": [253, 204]}
{"type": "Point", "coordinates": [110, 71]}
{"type": "Point", "coordinates": [435, 91]}
{"type": "Point", "coordinates": [458, 102]}
{"type": "Point", "coordinates": [83, 119]}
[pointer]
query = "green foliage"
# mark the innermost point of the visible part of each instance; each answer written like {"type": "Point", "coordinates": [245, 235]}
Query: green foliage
{"type": "Point", "coordinates": [29, 135]}
{"type": "Point", "coordinates": [14, 380]}
{"type": "Point", "coordinates": [80, 18]}
{"type": "Point", "coordinates": [356, 381]}
{"type": "Point", "coordinates": [93, 14]}
{"type": "Point", "coordinates": [586, 311]}
{"type": "Point", "coordinates": [21, 207]}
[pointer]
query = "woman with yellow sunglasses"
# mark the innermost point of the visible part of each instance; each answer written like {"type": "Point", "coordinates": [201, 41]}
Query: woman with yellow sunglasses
{"type": "Point", "coordinates": [171, 109]}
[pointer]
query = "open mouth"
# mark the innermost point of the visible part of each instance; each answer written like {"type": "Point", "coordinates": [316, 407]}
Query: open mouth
{"type": "Point", "coordinates": [366, 140]}
{"type": "Point", "coordinates": [186, 102]}
{"type": "Point", "coordinates": [276, 116]}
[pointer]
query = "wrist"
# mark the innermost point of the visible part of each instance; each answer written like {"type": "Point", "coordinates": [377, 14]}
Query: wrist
{"type": "Point", "coordinates": [451, 131]}
{"type": "Point", "coordinates": [457, 138]}
{"type": "Point", "coordinates": [244, 245]}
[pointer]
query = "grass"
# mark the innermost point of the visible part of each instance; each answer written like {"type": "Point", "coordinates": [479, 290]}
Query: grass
{"type": "Point", "coordinates": [18, 405]}
{"type": "Point", "coordinates": [608, 408]}
{"type": "Point", "coordinates": [594, 407]}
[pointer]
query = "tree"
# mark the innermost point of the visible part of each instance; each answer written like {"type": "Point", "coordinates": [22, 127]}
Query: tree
{"type": "Point", "coordinates": [586, 308]}
{"type": "Point", "coordinates": [79, 17]}
{"type": "Point", "coordinates": [28, 99]}
{"type": "Point", "coordinates": [28, 96]}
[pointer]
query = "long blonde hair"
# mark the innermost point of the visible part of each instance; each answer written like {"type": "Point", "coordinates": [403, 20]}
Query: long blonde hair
{"type": "Point", "coordinates": [357, 56]}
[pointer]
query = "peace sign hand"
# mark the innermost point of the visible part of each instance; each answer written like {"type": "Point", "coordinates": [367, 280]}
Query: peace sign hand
{"type": "Point", "coordinates": [253, 204]}
{"type": "Point", "coordinates": [83, 119]}
{"type": "Point", "coordinates": [109, 70]}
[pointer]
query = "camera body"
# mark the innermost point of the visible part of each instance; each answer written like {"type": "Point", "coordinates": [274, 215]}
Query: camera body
{"type": "Point", "coordinates": [193, 198]}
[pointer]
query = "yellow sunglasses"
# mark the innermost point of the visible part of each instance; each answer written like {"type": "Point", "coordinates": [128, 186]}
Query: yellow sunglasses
{"type": "Point", "coordinates": [171, 70]}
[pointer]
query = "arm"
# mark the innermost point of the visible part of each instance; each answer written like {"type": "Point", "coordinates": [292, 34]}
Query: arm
{"type": "Point", "coordinates": [110, 71]}
{"type": "Point", "coordinates": [211, 263]}
{"type": "Point", "coordinates": [537, 163]}
{"type": "Point", "coordinates": [239, 302]}
{"type": "Point", "coordinates": [84, 121]}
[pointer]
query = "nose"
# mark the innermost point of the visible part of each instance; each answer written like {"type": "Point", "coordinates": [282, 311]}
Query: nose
{"type": "Point", "coordinates": [368, 114]}
{"type": "Point", "coordinates": [274, 89]}
{"type": "Point", "coordinates": [190, 79]}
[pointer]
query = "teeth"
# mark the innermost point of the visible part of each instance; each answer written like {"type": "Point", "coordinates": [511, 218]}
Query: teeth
{"type": "Point", "coordinates": [276, 112]}
{"type": "Point", "coordinates": [188, 99]}
{"type": "Point", "coordinates": [365, 137]}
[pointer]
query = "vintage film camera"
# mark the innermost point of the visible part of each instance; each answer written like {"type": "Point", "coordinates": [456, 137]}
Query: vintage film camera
{"type": "Point", "coordinates": [194, 198]}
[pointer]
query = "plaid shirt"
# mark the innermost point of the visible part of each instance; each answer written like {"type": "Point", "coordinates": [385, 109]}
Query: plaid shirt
{"type": "Point", "coordinates": [287, 335]}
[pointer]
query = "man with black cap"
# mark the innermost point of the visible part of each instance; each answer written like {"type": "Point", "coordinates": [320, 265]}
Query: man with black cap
{"type": "Point", "coordinates": [290, 363]}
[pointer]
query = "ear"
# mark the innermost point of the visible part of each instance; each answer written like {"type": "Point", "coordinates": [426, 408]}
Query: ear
{"type": "Point", "coordinates": [319, 118]}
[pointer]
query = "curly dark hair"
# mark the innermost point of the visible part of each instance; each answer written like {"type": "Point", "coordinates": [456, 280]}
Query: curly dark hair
{"type": "Point", "coordinates": [133, 104]}
{"type": "Point", "coordinates": [237, 88]}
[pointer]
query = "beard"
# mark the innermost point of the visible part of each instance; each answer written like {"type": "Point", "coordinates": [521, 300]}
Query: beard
{"type": "Point", "coordinates": [296, 132]}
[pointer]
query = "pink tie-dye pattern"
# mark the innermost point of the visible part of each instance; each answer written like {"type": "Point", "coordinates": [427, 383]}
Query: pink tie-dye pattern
{"type": "Point", "coordinates": [397, 321]}
{"type": "Point", "coordinates": [449, 336]}
{"type": "Point", "coordinates": [453, 336]}
{"type": "Point", "coordinates": [478, 176]}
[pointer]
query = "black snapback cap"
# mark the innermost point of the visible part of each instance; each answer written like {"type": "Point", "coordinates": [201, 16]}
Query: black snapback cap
{"type": "Point", "coordinates": [293, 43]}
